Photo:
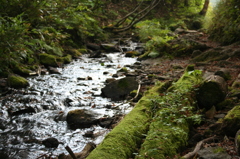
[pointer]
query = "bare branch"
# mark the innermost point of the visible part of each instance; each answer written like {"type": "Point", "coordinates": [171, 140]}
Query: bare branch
{"type": "Point", "coordinates": [153, 4]}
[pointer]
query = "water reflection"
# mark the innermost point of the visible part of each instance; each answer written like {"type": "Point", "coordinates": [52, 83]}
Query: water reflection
{"type": "Point", "coordinates": [49, 98]}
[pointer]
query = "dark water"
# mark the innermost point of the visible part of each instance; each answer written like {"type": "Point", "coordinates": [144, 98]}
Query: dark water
{"type": "Point", "coordinates": [49, 98]}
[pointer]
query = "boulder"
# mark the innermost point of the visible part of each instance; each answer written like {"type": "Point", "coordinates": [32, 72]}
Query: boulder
{"type": "Point", "coordinates": [231, 122]}
{"type": "Point", "coordinates": [211, 92]}
{"type": "Point", "coordinates": [48, 60]}
{"type": "Point", "coordinates": [16, 81]}
{"type": "Point", "coordinates": [119, 89]}
{"type": "Point", "coordinates": [53, 70]}
{"type": "Point", "coordinates": [110, 47]}
{"type": "Point", "coordinates": [213, 153]}
{"type": "Point", "coordinates": [81, 118]}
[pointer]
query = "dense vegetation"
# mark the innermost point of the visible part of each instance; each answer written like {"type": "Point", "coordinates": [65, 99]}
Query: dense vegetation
{"type": "Point", "coordinates": [31, 29]}
{"type": "Point", "coordinates": [225, 25]}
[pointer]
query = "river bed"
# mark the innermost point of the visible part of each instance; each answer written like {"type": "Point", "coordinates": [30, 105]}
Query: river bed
{"type": "Point", "coordinates": [49, 98]}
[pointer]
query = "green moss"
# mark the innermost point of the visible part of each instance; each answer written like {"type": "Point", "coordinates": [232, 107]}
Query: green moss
{"type": "Point", "coordinates": [48, 60]}
{"type": "Point", "coordinates": [126, 137]}
{"type": "Point", "coordinates": [124, 69]}
{"type": "Point", "coordinates": [16, 81]}
{"type": "Point", "coordinates": [162, 119]}
{"type": "Point", "coordinates": [219, 150]}
{"type": "Point", "coordinates": [231, 122]}
{"type": "Point", "coordinates": [65, 60]}
{"type": "Point", "coordinates": [21, 70]}
{"type": "Point", "coordinates": [236, 84]}
{"type": "Point", "coordinates": [169, 127]}
{"type": "Point", "coordinates": [226, 103]}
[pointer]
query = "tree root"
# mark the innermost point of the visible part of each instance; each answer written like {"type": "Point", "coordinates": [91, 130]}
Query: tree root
{"type": "Point", "coordinates": [198, 147]}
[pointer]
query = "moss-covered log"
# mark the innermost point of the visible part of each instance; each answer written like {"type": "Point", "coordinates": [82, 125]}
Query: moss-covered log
{"type": "Point", "coordinates": [170, 126]}
{"type": "Point", "coordinates": [126, 137]}
{"type": "Point", "coordinates": [167, 117]}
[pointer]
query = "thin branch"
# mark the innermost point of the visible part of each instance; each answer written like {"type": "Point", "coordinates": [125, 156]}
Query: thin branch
{"type": "Point", "coordinates": [120, 22]}
{"type": "Point", "coordinates": [139, 19]}
{"type": "Point", "coordinates": [69, 150]}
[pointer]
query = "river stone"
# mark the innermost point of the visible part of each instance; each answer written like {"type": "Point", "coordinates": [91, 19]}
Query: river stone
{"type": "Point", "coordinates": [119, 89]}
{"type": "Point", "coordinates": [16, 81]}
{"type": "Point", "coordinates": [50, 142]}
{"type": "Point", "coordinates": [81, 118]}
{"type": "Point", "coordinates": [213, 153]}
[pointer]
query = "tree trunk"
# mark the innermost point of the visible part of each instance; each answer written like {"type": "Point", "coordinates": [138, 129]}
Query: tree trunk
{"type": "Point", "coordinates": [205, 8]}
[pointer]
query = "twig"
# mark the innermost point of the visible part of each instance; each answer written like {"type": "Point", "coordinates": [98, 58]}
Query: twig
{"type": "Point", "coordinates": [70, 152]}
{"type": "Point", "coordinates": [138, 90]}
{"type": "Point", "coordinates": [197, 148]}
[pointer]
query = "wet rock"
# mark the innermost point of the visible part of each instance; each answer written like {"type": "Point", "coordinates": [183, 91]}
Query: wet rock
{"type": "Point", "coordinates": [212, 91]}
{"type": "Point", "coordinates": [67, 102]}
{"type": "Point", "coordinates": [110, 47]}
{"type": "Point", "coordinates": [3, 124]}
{"type": "Point", "coordinates": [213, 153]}
{"type": "Point", "coordinates": [81, 118]}
{"type": "Point", "coordinates": [50, 142]}
{"type": "Point", "coordinates": [88, 134]}
{"type": "Point", "coordinates": [53, 70]}
{"type": "Point", "coordinates": [119, 89]}
{"type": "Point", "coordinates": [16, 81]}
{"type": "Point", "coordinates": [4, 155]}
{"type": "Point", "coordinates": [109, 122]}
{"type": "Point", "coordinates": [21, 111]}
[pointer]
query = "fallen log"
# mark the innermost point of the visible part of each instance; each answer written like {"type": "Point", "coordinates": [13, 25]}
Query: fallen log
{"type": "Point", "coordinates": [143, 123]}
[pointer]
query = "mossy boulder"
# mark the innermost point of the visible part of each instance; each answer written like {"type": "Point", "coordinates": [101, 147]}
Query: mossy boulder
{"type": "Point", "coordinates": [231, 122]}
{"type": "Point", "coordinates": [65, 60]}
{"type": "Point", "coordinates": [21, 70]}
{"type": "Point", "coordinates": [16, 81]}
{"type": "Point", "coordinates": [48, 60]}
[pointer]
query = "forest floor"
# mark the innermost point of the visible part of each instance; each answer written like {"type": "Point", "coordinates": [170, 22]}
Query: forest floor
{"type": "Point", "coordinates": [173, 68]}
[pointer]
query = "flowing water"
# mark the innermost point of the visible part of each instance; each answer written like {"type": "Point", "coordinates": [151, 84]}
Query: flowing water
{"type": "Point", "coordinates": [48, 100]}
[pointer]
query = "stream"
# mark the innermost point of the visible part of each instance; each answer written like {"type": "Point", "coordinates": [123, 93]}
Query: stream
{"type": "Point", "coordinates": [43, 107]}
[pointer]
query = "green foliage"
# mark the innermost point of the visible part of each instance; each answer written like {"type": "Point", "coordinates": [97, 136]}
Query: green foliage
{"type": "Point", "coordinates": [31, 27]}
{"type": "Point", "coordinates": [225, 26]}
{"type": "Point", "coordinates": [173, 112]}
{"type": "Point", "coordinates": [155, 34]}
